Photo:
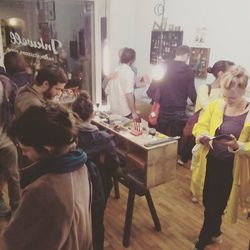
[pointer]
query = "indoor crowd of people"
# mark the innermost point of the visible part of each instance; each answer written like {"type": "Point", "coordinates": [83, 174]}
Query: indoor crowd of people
{"type": "Point", "coordinates": [59, 168]}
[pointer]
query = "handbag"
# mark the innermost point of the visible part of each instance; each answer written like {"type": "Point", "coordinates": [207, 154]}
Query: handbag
{"type": "Point", "coordinates": [187, 131]}
{"type": "Point", "coordinates": [153, 116]}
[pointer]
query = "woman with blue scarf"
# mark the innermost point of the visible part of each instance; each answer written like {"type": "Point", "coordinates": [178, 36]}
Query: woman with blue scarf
{"type": "Point", "coordinates": [54, 212]}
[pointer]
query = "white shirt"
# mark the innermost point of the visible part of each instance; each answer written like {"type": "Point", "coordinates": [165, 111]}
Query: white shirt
{"type": "Point", "coordinates": [117, 89]}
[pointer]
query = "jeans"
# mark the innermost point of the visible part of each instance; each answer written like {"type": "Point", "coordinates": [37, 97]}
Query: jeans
{"type": "Point", "coordinates": [9, 171]}
{"type": "Point", "coordinates": [217, 188]}
{"type": "Point", "coordinates": [171, 123]}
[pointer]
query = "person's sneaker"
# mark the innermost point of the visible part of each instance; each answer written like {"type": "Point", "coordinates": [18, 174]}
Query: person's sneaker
{"type": "Point", "coordinates": [217, 239]}
{"type": "Point", "coordinates": [180, 162]}
{"type": "Point", "coordinates": [194, 199]}
{"type": "Point", "coordinates": [4, 209]}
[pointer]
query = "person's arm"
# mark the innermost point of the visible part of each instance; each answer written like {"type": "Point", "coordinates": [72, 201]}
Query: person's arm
{"type": "Point", "coordinates": [202, 97]}
{"type": "Point", "coordinates": [129, 92]}
{"type": "Point", "coordinates": [111, 76]}
{"type": "Point", "coordinates": [238, 147]}
{"type": "Point", "coordinates": [153, 91]}
{"type": "Point", "coordinates": [201, 129]}
{"type": "Point", "coordinates": [131, 104]}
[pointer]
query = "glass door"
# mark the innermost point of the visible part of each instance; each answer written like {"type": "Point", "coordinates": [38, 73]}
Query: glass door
{"type": "Point", "coordinates": [53, 31]}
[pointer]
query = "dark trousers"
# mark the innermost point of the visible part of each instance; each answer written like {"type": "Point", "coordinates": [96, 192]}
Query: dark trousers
{"type": "Point", "coordinates": [217, 188]}
{"type": "Point", "coordinates": [171, 123]}
{"type": "Point", "coordinates": [98, 212]}
{"type": "Point", "coordinates": [186, 145]}
{"type": "Point", "coordinates": [98, 229]}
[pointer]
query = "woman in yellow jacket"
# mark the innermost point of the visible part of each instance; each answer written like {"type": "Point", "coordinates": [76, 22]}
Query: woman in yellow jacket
{"type": "Point", "coordinates": [221, 173]}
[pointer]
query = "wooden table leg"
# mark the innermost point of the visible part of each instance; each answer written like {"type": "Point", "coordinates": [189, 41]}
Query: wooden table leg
{"type": "Point", "coordinates": [128, 219]}
{"type": "Point", "coordinates": [153, 211]}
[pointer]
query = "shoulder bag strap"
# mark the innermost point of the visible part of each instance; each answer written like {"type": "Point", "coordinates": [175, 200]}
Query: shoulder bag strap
{"type": "Point", "coordinates": [209, 89]}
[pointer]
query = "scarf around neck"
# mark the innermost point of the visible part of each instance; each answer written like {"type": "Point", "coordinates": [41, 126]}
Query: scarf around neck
{"type": "Point", "coordinates": [59, 164]}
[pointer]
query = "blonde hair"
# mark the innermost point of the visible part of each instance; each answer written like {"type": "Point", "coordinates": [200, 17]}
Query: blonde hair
{"type": "Point", "coordinates": [236, 77]}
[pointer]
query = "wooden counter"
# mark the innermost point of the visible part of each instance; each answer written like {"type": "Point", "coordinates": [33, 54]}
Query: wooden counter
{"type": "Point", "coordinates": [149, 166]}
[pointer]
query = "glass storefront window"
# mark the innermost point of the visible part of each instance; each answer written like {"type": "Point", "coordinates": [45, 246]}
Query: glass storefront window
{"type": "Point", "coordinates": [55, 31]}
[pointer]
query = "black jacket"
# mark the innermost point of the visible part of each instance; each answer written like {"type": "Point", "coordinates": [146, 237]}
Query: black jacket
{"type": "Point", "coordinates": [95, 143]}
{"type": "Point", "coordinates": [176, 86]}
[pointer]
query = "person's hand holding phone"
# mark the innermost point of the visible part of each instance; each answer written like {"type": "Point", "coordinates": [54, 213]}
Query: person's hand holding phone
{"type": "Point", "coordinates": [229, 141]}
{"type": "Point", "coordinates": [204, 139]}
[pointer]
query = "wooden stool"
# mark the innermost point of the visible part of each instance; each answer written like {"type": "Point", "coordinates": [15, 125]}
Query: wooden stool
{"type": "Point", "coordinates": [116, 187]}
{"type": "Point", "coordinates": [136, 188]}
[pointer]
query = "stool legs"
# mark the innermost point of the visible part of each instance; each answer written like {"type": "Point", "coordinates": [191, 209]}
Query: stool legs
{"type": "Point", "coordinates": [116, 187]}
{"type": "Point", "coordinates": [129, 215]}
{"type": "Point", "coordinates": [153, 211]}
{"type": "Point", "coordinates": [128, 219]}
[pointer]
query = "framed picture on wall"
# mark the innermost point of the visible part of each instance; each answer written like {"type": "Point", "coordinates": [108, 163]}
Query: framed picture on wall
{"type": "Point", "coordinates": [199, 61]}
{"type": "Point", "coordinates": [51, 14]}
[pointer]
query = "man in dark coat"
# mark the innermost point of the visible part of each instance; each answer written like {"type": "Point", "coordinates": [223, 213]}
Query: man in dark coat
{"type": "Point", "coordinates": [175, 88]}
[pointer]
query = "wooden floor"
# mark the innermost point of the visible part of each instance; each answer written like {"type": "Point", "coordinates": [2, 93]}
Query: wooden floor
{"type": "Point", "coordinates": [180, 221]}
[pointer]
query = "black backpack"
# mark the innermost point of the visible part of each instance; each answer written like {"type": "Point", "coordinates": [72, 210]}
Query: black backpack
{"type": "Point", "coordinates": [8, 106]}
{"type": "Point", "coordinates": [98, 197]}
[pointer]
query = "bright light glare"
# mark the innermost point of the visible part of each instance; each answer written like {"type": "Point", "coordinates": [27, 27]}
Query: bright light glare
{"type": "Point", "coordinates": [106, 59]}
{"type": "Point", "coordinates": [158, 72]}
{"type": "Point", "coordinates": [13, 21]}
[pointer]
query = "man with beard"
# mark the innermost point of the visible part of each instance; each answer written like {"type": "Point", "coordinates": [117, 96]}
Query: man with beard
{"type": "Point", "coordinates": [49, 82]}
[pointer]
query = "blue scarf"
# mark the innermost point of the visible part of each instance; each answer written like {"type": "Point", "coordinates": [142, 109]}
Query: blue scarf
{"type": "Point", "coordinates": [58, 164]}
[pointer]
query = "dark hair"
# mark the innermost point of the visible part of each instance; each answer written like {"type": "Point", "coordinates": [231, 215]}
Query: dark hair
{"type": "Point", "coordinates": [127, 55]}
{"type": "Point", "coordinates": [182, 50]}
{"type": "Point", "coordinates": [44, 126]}
{"type": "Point", "coordinates": [51, 73]}
{"type": "Point", "coordinates": [83, 106]}
{"type": "Point", "coordinates": [219, 66]}
{"type": "Point", "coordinates": [12, 61]}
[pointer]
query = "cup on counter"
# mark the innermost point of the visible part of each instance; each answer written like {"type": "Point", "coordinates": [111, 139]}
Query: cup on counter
{"type": "Point", "coordinates": [152, 131]}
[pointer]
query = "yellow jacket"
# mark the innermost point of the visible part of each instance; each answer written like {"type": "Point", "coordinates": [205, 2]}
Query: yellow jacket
{"type": "Point", "coordinates": [208, 122]}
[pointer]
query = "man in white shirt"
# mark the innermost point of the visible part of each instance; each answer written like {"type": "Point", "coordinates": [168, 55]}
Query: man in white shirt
{"type": "Point", "coordinates": [120, 90]}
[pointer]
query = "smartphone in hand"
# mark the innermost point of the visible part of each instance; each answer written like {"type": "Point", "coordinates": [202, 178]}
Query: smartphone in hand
{"type": "Point", "coordinates": [222, 137]}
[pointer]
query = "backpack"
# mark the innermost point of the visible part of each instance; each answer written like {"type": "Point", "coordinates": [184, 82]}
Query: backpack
{"type": "Point", "coordinates": [192, 120]}
{"type": "Point", "coordinates": [98, 197]}
{"type": "Point", "coordinates": [8, 105]}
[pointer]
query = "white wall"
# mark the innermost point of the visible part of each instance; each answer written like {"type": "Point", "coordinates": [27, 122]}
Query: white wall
{"type": "Point", "coordinates": [227, 24]}
{"type": "Point", "coordinates": [121, 27]}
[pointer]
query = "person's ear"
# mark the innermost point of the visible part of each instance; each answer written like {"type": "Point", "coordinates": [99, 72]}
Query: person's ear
{"type": "Point", "coordinates": [45, 85]}
{"type": "Point", "coordinates": [219, 74]}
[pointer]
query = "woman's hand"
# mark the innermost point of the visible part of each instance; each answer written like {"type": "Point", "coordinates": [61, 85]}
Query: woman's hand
{"type": "Point", "coordinates": [204, 139]}
{"type": "Point", "coordinates": [233, 144]}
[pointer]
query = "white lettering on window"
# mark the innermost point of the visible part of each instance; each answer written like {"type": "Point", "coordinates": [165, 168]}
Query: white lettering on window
{"type": "Point", "coordinates": [52, 46]}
